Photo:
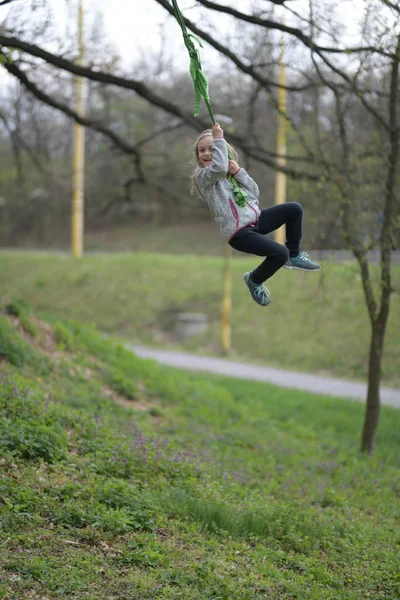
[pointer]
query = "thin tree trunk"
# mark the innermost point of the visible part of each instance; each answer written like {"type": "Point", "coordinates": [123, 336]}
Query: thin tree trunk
{"type": "Point", "coordinates": [374, 381]}
{"type": "Point", "coordinates": [379, 323]}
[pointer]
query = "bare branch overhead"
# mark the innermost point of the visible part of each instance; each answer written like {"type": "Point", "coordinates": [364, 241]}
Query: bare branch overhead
{"type": "Point", "coordinates": [307, 41]}
{"type": "Point", "coordinates": [392, 5]}
{"type": "Point", "coordinates": [142, 90]}
{"type": "Point", "coordinates": [13, 69]}
{"type": "Point", "coordinates": [245, 68]}
{"type": "Point", "coordinates": [248, 69]}
{"type": "Point", "coordinates": [279, 2]}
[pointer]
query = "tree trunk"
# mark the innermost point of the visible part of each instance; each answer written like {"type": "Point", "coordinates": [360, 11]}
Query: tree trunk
{"type": "Point", "coordinates": [379, 323]}
{"type": "Point", "coordinates": [374, 380]}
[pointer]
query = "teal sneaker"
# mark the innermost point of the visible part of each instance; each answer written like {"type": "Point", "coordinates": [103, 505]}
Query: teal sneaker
{"type": "Point", "coordinates": [302, 263]}
{"type": "Point", "coordinates": [258, 291]}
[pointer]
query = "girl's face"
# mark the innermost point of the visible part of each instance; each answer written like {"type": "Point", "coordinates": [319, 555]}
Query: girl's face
{"type": "Point", "coordinates": [204, 150]}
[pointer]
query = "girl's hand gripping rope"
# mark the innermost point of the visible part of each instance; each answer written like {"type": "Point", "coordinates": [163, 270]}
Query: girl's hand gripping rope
{"type": "Point", "coordinates": [233, 167]}
{"type": "Point", "coordinates": [217, 131]}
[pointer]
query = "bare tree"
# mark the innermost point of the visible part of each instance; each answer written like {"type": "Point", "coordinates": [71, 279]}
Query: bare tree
{"type": "Point", "coordinates": [344, 83]}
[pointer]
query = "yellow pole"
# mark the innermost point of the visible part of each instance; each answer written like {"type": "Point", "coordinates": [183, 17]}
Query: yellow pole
{"type": "Point", "coordinates": [280, 181]}
{"type": "Point", "coordinates": [79, 154]}
{"type": "Point", "coordinates": [227, 303]}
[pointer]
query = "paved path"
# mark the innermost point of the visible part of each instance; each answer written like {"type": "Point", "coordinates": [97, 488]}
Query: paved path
{"type": "Point", "coordinates": [301, 381]}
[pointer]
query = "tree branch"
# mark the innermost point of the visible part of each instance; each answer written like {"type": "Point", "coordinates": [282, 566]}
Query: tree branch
{"type": "Point", "coordinates": [353, 88]}
{"type": "Point", "coordinates": [279, 2]}
{"type": "Point", "coordinates": [18, 140]}
{"type": "Point", "coordinates": [13, 69]}
{"type": "Point", "coordinates": [161, 131]}
{"type": "Point", "coordinates": [292, 31]}
{"type": "Point", "coordinates": [130, 84]}
{"type": "Point", "coordinates": [391, 5]}
{"type": "Point", "coordinates": [307, 41]}
{"type": "Point", "coordinates": [140, 89]}
{"type": "Point", "coordinates": [246, 68]}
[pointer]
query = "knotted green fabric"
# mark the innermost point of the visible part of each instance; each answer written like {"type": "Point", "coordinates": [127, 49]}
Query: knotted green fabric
{"type": "Point", "coordinates": [240, 194]}
{"type": "Point", "coordinates": [201, 91]}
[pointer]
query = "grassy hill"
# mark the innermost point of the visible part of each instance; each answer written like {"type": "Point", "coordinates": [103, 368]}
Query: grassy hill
{"type": "Point", "coordinates": [316, 322]}
{"type": "Point", "coordinates": [125, 480]}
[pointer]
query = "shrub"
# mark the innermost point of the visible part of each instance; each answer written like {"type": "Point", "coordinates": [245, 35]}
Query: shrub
{"type": "Point", "coordinates": [28, 325]}
{"type": "Point", "coordinates": [14, 309]}
{"type": "Point", "coordinates": [32, 440]}
{"type": "Point", "coordinates": [79, 514]}
{"type": "Point", "coordinates": [121, 384]}
{"type": "Point", "coordinates": [120, 495]}
{"type": "Point", "coordinates": [64, 336]}
{"type": "Point", "coordinates": [27, 429]}
{"type": "Point", "coordinates": [145, 552]}
{"type": "Point", "coordinates": [12, 346]}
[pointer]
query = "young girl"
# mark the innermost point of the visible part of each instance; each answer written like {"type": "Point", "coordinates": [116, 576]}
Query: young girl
{"type": "Point", "coordinates": [245, 228]}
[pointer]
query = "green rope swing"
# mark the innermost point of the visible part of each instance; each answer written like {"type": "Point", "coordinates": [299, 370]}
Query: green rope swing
{"type": "Point", "coordinates": [201, 91]}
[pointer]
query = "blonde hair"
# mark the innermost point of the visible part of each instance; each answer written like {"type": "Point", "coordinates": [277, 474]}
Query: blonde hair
{"type": "Point", "coordinates": [232, 155]}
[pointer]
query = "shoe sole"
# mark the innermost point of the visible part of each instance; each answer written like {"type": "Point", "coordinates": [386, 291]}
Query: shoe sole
{"type": "Point", "coordinates": [245, 282]}
{"type": "Point", "coordinates": [300, 269]}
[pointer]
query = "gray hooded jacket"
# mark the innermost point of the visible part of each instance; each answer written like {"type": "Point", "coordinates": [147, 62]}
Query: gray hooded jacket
{"type": "Point", "coordinates": [216, 190]}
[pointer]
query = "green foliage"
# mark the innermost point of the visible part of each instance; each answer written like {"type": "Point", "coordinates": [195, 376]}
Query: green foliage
{"type": "Point", "coordinates": [145, 553]}
{"type": "Point", "coordinates": [33, 440]}
{"type": "Point", "coordinates": [329, 305]}
{"type": "Point", "coordinates": [155, 411]}
{"type": "Point", "coordinates": [14, 309]}
{"type": "Point", "coordinates": [128, 499]}
{"type": "Point", "coordinates": [21, 310]}
{"type": "Point", "coordinates": [27, 431]}
{"type": "Point", "coordinates": [12, 347]}
{"type": "Point", "coordinates": [28, 325]}
{"type": "Point", "coordinates": [121, 384]}
{"type": "Point", "coordinates": [241, 490]}
{"type": "Point", "coordinates": [17, 351]}
{"type": "Point", "coordinates": [63, 336]}
{"type": "Point", "coordinates": [113, 521]}
{"type": "Point", "coordinates": [294, 530]}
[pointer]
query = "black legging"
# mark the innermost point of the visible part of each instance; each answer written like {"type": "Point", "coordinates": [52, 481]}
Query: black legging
{"type": "Point", "coordinates": [253, 240]}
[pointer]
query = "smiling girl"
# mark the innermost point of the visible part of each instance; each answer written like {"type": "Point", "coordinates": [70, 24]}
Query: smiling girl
{"type": "Point", "coordinates": [245, 227]}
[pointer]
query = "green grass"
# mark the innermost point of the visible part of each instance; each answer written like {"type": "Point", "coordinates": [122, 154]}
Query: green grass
{"type": "Point", "coordinates": [198, 488]}
{"type": "Point", "coordinates": [317, 322]}
{"type": "Point", "coordinates": [199, 237]}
